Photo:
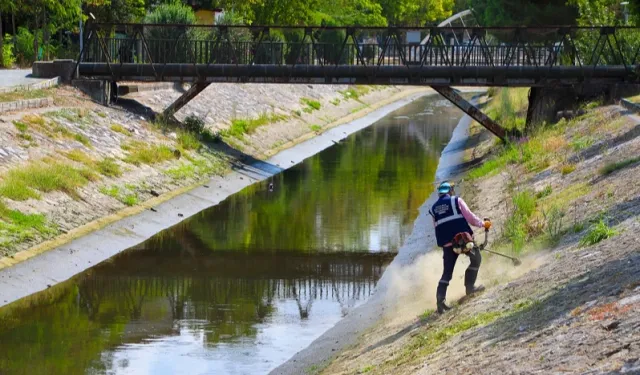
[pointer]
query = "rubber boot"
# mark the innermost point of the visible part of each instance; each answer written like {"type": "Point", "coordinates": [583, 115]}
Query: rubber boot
{"type": "Point", "coordinates": [442, 307]}
{"type": "Point", "coordinates": [474, 289]}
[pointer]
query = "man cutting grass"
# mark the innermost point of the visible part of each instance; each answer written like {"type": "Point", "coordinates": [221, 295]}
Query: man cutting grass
{"type": "Point", "coordinates": [451, 218]}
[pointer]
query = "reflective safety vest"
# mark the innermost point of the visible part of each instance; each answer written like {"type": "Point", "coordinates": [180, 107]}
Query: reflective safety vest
{"type": "Point", "coordinates": [448, 218]}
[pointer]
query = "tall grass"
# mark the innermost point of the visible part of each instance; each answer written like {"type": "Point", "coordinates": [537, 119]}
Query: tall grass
{"type": "Point", "coordinates": [509, 107]}
{"type": "Point", "coordinates": [239, 127]}
{"type": "Point", "coordinates": [598, 232]}
{"type": "Point", "coordinates": [517, 224]}
{"type": "Point", "coordinates": [148, 154]}
{"type": "Point", "coordinates": [39, 177]}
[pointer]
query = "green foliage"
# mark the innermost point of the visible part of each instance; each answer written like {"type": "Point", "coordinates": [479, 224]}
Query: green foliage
{"type": "Point", "coordinates": [24, 46]}
{"type": "Point", "coordinates": [517, 224]}
{"type": "Point", "coordinates": [509, 108]}
{"type": "Point", "coordinates": [82, 139]}
{"type": "Point", "coordinates": [544, 192]}
{"type": "Point", "coordinates": [612, 167]}
{"type": "Point", "coordinates": [511, 13]}
{"type": "Point", "coordinates": [193, 124]}
{"type": "Point", "coordinates": [109, 167]}
{"type": "Point", "coordinates": [598, 232]}
{"type": "Point", "coordinates": [21, 126]}
{"type": "Point", "coordinates": [335, 101]}
{"type": "Point", "coordinates": [239, 127]}
{"type": "Point", "coordinates": [416, 13]}
{"type": "Point", "coordinates": [311, 104]}
{"type": "Point", "coordinates": [188, 141]}
{"type": "Point", "coordinates": [116, 10]}
{"type": "Point", "coordinates": [428, 313]}
{"type": "Point", "coordinates": [149, 154]}
{"type": "Point", "coordinates": [567, 168]}
{"type": "Point", "coordinates": [125, 195]}
{"type": "Point", "coordinates": [17, 227]}
{"type": "Point", "coordinates": [315, 128]}
{"type": "Point", "coordinates": [553, 223]}
{"type": "Point", "coordinates": [582, 143]}
{"type": "Point", "coordinates": [171, 12]}
{"type": "Point", "coordinates": [120, 129]}
{"type": "Point", "coordinates": [8, 58]}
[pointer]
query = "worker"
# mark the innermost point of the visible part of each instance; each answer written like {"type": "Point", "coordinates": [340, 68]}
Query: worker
{"type": "Point", "coordinates": [452, 216]}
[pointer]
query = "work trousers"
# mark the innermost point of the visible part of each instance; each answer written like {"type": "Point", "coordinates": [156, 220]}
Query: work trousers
{"type": "Point", "coordinates": [450, 259]}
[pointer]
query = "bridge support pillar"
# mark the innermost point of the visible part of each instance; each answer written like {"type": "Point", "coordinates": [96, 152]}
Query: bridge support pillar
{"type": "Point", "coordinates": [471, 110]}
{"type": "Point", "coordinates": [545, 102]}
{"type": "Point", "coordinates": [195, 89]}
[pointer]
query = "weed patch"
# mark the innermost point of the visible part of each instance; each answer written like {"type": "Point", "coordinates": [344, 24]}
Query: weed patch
{"type": "Point", "coordinates": [120, 129]}
{"type": "Point", "coordinates": [82, 139]}
{"type": "Point", "coordinates": [315, 128]}
{"type": "Point", "coordinates": [612, 167]}
{"type": "Point", "coordinates": [108, 167]}
{"type": "Point", "coordinates": [17, 227]}
{"type": "Point", "coordinates": [26, 182]}
{"type": "Point", "coordinates": [335, 101]}
{"type": "Point", "coordinates": [23, 94]}
{"type": "Point", "coordinates": [188, 141]}
{"type": "Point", "coordinates": [567, 168]}
{"type": "Point", "coordinates": [148, 154]}
{"type": "Point", "coordinates": [598, 232]}
{"type": "Point", "coordinates": [239, 127]}
{"type": "Point", "coordinates": [79, 116]}
{"type": "Point", "coordinates": [517, 226]}
{"type": "Point", "coordinates": [312, 105]}
{"type": "Point", "coordinates": [126, 196]}
{"type": "Point", "coordinates": [544, 192]}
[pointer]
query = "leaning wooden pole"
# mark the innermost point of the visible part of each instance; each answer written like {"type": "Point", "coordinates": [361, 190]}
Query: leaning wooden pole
{"type": "Point", "coordinates": [471, 110]}
{"type": "Point", "coordinates": [195, 89]}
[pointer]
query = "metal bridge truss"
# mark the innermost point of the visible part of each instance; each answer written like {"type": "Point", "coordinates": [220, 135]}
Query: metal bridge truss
{"type": "Point", "coordinates": [443, 56]}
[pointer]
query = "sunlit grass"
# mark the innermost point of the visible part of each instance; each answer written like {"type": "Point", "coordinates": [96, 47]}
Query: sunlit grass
{"type": "Point", "coordinates": [148, 154]}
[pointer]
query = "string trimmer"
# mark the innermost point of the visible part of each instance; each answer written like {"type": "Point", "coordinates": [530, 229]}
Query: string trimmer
{"type": "Point", "coordinates": [463, 243]}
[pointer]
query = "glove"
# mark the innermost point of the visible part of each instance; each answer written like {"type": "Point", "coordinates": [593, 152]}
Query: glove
{"type": "Point", "coordinates": [487, 224]}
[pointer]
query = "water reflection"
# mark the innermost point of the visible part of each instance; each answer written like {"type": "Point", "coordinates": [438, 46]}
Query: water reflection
{"type": "Point", "coordinates": [241, 287]}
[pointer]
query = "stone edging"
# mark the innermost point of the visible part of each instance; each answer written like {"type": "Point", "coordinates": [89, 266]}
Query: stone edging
{"type": "Point", "coordinates": [34, 86]}
{"type": "Point", "coordinates": [630, 105]}
{"type": "Point", "coordinates": [25, 104]}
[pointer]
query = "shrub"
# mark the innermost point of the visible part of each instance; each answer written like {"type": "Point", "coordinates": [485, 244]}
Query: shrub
{"type": "Point", "coordinates": [171, 12]}
{"type": "Point", "coordinates": [598, 232]}
{"type": "Point", "coordinates": [8, 58]}
{"type": "Point", "coordinates": [193, 124]}
{"type": "Point", "coordinates": [544, 192]}
{"type": "Point", "coordinates": [23, 46]}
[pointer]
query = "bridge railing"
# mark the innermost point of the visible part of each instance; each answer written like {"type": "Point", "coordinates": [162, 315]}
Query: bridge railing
{"type": "Point", "coordinates": [451, 46]}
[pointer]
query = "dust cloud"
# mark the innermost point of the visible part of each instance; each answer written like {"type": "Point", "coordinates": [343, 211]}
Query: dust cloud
{"type": "Point", "coordinates": [412, 288]}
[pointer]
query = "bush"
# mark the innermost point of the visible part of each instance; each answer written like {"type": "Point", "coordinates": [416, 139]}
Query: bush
{"type": "Point", "coordinates": [161, 40]}
{"type": "Point", "coordinates": [8, 58]}
{"type": "Point", "coordinates": [23, 47]}
{"type": "Point", "coordinates": [193, 124]}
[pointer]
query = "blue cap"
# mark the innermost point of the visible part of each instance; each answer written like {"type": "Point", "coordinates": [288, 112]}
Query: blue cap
{"type": "Point", "coordinates": [444, 188]}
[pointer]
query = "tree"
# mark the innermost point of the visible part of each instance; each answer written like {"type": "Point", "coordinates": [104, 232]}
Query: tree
{"type": "Point", "coordinates": [519, 13]}
{"type": "Point", "coordinates": [116, 10]}
{"type": "Point", "coordinates": [163, 41]}
{"type": "Point", "coordinates": [416, 12]}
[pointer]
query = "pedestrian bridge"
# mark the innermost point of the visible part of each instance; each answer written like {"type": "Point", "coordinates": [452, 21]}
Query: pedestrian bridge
{"type": "Point", "coordinates": [441, 56]}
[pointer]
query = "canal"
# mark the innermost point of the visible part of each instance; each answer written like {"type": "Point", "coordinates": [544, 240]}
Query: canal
{"type": "Point", "coordinates": [244, 285]}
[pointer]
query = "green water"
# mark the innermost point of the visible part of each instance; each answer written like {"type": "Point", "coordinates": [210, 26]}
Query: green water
{"type": "Point", "coordinates": [241, 287]}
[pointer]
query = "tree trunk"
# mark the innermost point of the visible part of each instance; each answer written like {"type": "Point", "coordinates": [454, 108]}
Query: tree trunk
{"type": "Point", "coordinates": [45, 34]}
{"type": "Point", "coordinates": [13, 23]}
{"type": "Point", "coordinates": [35, 39]}
{"type": "Point", "coordinates": [1, 43]}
